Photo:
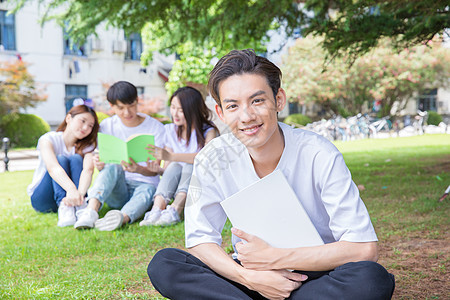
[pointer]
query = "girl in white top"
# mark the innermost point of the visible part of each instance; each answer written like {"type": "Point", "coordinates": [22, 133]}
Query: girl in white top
{"type": "Point", "coordinates": [65, 165]}
{"type": "Point", "coordinates": [190, 131]}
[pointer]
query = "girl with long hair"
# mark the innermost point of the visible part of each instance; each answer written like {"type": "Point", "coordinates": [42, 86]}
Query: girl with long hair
{"type": "Point", "coordinates": [190, 131]}
{"type": "Point", "coordinates": [65, 168]}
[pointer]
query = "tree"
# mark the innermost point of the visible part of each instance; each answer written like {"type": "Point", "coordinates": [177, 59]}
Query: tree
{"type": "Point", "coordinates": [348, 26]}
{"type": "Point", "coordinates": [17, 88]}
{"type": "Point", "coordinates": [379, 75]}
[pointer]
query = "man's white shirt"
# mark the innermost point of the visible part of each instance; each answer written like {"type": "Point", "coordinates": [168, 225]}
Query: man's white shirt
{"type": "Point", "coordinates": [312, 165]}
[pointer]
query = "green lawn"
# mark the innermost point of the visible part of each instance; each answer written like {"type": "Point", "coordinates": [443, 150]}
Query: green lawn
{"type": "Point", "coordinates": [402, 179]}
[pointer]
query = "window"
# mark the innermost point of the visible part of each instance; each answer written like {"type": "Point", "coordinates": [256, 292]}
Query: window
{"type": "Point", "coordinates": [134, 46]}
{"type": "Point", "coordinates": [7, 31]}
{"type": "Point", "coordinates": [427, 100]}
{"type": "Point", "coordinates": [73, 92]}
{"type": "Point", "coordinates": [140, 90]}
{"type": "Point", "coordinates": [71, 48]}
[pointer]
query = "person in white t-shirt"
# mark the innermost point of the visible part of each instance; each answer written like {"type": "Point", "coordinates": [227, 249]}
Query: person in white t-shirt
{"type": "Point", "coordinates": [65, 166]}
{"type": "Point", "coordinates": [128, 188]}
{"type": "Point", "coordinates": [247, 89]}
{"type": "Point", "coordinates": [190, 131]}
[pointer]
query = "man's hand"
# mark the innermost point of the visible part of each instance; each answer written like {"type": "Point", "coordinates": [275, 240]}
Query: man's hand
{"type": "Point", "coordinates": [159, 153]}
{"type": "Point", "coordinates": [73, 198]}
{"type": "Point", "coordinates": [255, 253]}
{"type": "Point", "coordinates": [97, 163]}
{"type": "Point", "coordinates": [154, 167]}
{"type": "Point", "coordinates": [132, 167]}
{"type": "Point", "coordinates": [277, 284]}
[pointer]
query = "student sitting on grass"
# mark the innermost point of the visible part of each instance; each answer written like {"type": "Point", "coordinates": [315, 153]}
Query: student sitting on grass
{"type": "Point", "coordinates": [65, 167]}
{"type": "Point", "coordinates": [247, 89]}
{"type": "Point", "coordinates": [190, 131]}
{"type": "Point", "coordinates": [129, 186]}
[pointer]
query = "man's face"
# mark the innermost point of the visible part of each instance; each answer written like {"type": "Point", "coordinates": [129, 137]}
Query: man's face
{"type": "Point", "coordinates": [249, 109]}
{"type": "Point", "coordinates": [126, 112]}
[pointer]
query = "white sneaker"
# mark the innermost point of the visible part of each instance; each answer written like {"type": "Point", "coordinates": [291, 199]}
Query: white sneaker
{"type": "Point", "coordinates": [86, 218]}
{"type": "Point", "coordinates": [111, 221]}
{"type": "Point", "coordinates": [66, 215]}
{"type": "Point", "coordinates": [169, 216]}
{"type": "Point", "coordinates": [151, 217]}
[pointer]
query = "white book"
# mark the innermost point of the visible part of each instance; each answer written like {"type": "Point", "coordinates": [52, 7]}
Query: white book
{"type": "Point", "coordinates": [270, 210]}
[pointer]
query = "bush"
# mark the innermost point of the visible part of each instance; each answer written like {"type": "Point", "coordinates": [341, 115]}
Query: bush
{"type": "Point", "coordinates": [297, 119]}
{"type": "Point", "coordinates": [23, 130]}
{"type": "Point", "coordinates": [101, 116]}
{"type": "Point", "coordinates": [434, 118]}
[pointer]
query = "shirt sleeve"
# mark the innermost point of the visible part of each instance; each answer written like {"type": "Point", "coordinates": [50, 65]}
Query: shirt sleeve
{"type": "Point", "coordinates": [204, 216]}
{"type": "Point", "coordinates": [349, 218]}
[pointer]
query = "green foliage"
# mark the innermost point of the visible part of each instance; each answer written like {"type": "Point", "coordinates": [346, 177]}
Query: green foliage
{"type": "Point", "coordinates": [17, 88]}
{"type": "Point", "coordinates": [297, 119]}
{"type": "Point", "coordinates": [434, 118]}
{"type": "Point", "coordinates": [101, 116]}
{"type": "Point", "coordinates": [23, 130]}
{"type": "Point", "coordinates": [349, 26]}
{"type": "Point", "coordinates": [379, 75]}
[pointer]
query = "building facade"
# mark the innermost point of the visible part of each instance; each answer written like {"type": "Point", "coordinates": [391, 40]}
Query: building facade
{"type": "Point", "coordinates": [66, 71]}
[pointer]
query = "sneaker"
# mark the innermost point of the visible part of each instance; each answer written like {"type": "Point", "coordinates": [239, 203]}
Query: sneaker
{"type": "Point", "coordinates": [111, 221]}
{"type": "Point", "coordinates": [169, 216]}
{"type": "Point", "coordinates": [86, 218]}
{"type": "Point", "coordinates": [66, 215]}
{"type": "Point", "coordinates": [151, 217]}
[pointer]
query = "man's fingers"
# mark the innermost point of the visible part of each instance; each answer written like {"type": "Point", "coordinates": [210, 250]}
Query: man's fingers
{"type": "Point", "coordinates": [295, 276]}
{"type": "Point", "coordinates": [241, 234]}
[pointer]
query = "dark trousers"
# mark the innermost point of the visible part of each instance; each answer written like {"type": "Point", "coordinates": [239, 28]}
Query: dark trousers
{"type": "Point", "coordinates": [177, 274]}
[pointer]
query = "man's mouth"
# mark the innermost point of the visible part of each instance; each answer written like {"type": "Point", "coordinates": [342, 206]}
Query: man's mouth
{"type": "Point", "coordinates": [251, 129]}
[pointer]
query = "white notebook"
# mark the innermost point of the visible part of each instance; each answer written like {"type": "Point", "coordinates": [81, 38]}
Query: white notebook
{"type": "Point", "coordinates": [270, 210]}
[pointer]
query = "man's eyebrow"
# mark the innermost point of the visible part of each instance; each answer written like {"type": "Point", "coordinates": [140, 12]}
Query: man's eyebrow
{"type": "Point", "coordinates": [228, 100]}
{"type": "Point", "coordinates": [261, 92]}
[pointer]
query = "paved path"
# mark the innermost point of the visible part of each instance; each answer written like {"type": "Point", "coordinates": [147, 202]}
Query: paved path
{"type": "Point", "coordinates": [19, 160]}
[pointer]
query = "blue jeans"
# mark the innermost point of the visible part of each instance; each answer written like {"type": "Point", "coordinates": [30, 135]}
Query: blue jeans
{"type": "Point", "coordinates": [48, 194]}
{"type": "Point", "coordinates": [175, 179]}
{"type": "Point", "coordinates": [132, 197]}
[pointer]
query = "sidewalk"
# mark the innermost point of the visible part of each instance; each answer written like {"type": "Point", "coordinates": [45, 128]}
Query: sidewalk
{"type": "Point", "coordinates": [20, 160]}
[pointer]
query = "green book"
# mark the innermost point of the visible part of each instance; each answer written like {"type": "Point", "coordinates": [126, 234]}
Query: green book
{"type": "Point", "coordinates": [114, 150]}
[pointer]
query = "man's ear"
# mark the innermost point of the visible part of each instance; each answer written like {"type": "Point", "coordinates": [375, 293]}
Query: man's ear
{"type": "Point", "coordinates": [219, 112]}
{"type": "Point", "coordinates": [281, 99]}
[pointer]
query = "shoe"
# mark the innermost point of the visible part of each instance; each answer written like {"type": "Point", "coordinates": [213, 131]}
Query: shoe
{"type": "Point", "coordinates": [111, 221]}
{"type": "Point", "coordinates": [66, 215]}
{"type": "Point", "coordinates": [151, 217]}
{"type": "Point", "coordinates": [86, 218]}
{"type": "Point", "coordinates": [169, 216]}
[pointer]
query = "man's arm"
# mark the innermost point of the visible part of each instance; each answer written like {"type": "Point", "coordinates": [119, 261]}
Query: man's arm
{"type": "Point", "coordinates": [258, 255]}
{"type": "Point", "coordinates": [271, 284]}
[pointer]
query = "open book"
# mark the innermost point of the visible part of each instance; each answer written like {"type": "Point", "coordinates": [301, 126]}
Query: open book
{"type": "Point", "coordinates": [114, 150]}
{"type": "Point", "coordinates": [270, 210]}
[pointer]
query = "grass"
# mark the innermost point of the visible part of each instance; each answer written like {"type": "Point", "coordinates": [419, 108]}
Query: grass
{"type": "Point", "coordinates": [402, 180]}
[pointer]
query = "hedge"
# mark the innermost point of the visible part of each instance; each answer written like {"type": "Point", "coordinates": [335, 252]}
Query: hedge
{"type": "Point", "coordinates": [23, 130]}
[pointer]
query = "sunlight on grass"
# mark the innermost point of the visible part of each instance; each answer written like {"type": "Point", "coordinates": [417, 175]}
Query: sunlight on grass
{"type": "Point", "coordinates": [402, 178]}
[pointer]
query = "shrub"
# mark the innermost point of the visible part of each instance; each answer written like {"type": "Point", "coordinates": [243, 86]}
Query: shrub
{"type": "Point", "coordinates": [434, 118]}
{"type": "Point", "coordinates": [101, 116]}
{"type": "Point", "coordinates": [23, 130]}
{"type": "Point", "coordinates": [297, 119]}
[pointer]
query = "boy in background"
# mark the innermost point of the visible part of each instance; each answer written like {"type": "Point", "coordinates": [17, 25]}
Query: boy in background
{"type": "Point", "coordinates": [128, 188]}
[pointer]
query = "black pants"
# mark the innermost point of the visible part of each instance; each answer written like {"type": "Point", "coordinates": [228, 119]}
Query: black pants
{"type": "Point", "coordinates": [177, 274]}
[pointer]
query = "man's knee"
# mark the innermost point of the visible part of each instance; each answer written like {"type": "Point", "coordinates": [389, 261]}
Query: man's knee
{"type": "Point", "coordinates": [374, 281]}
{"type": "Point", "coordinates": [161, 265]}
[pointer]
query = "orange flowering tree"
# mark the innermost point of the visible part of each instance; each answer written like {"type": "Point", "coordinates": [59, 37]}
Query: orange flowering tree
{"type": "Point", "coordinates": [382, 74]}
{"type": "Point", "coordinates": [17, 88]}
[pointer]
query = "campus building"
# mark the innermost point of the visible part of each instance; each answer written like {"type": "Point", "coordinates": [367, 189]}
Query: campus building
{"type": "Point", "coordinates": [66, 71]}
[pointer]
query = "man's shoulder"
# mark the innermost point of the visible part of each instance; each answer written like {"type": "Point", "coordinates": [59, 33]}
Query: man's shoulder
{"type": "Point", "coordinates": [152, 123]}
{"type": "Point", "coordinates": [302, 138]}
